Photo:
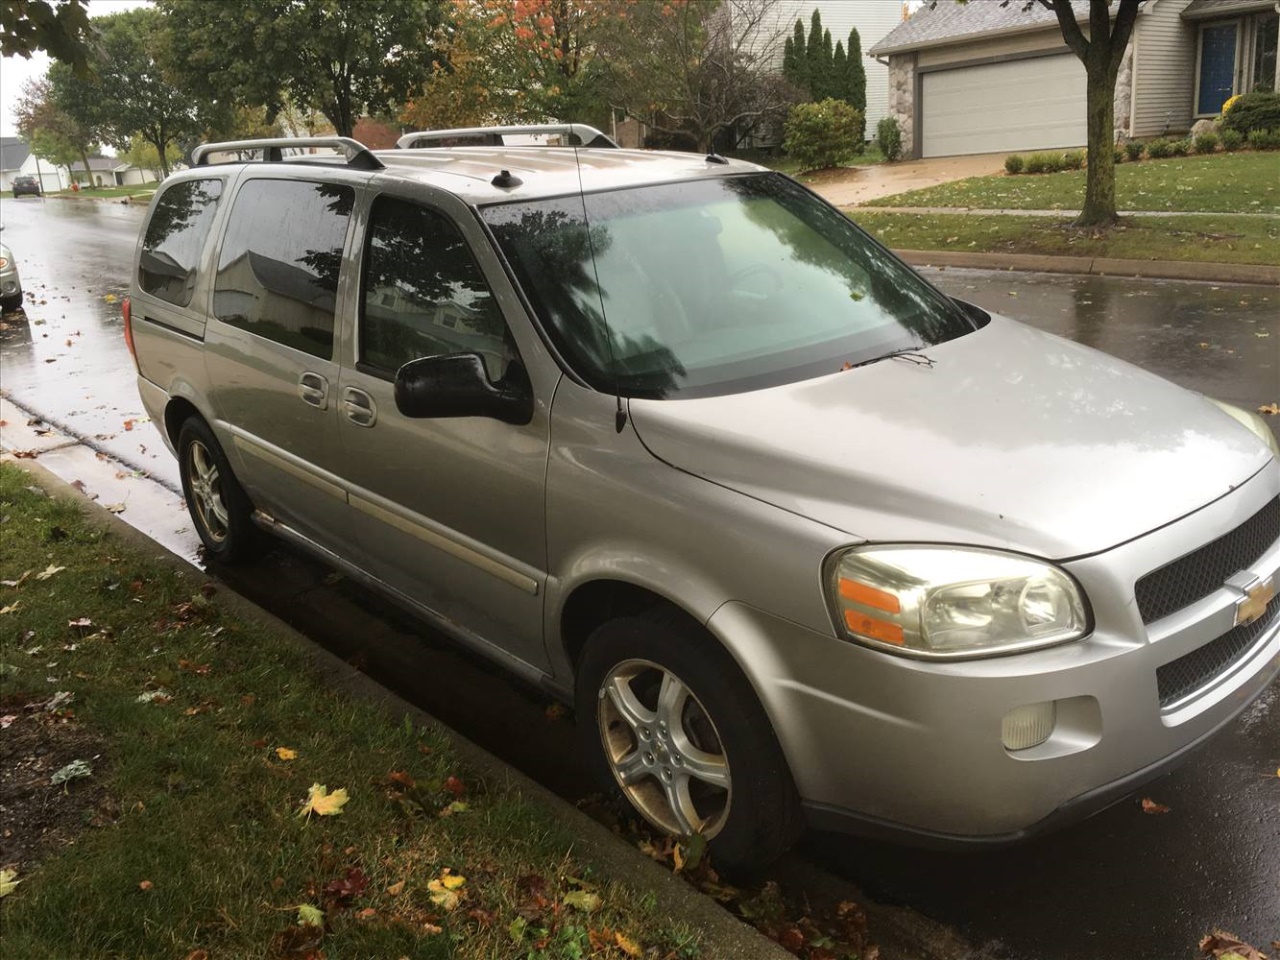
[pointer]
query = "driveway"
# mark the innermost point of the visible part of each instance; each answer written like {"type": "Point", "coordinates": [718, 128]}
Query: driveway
{"type": "Point", "coordinates": [851, 187]}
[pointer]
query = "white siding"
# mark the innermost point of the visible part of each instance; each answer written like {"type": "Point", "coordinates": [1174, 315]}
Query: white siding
{"type": "Point", "coordinates": [1033, 42]}
{"type": "Point", "coordinates": [873, 18]}
{"type": "Point", "coordinates": [1041, 105]}
{"type": "Point", "coordinates": [1164, 70]}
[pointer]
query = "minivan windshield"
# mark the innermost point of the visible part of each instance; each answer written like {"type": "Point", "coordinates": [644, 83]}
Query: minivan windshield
{"type": "Point", "coordinates": [713, 286]}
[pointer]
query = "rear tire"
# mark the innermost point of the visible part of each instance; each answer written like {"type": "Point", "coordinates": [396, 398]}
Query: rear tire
{"type": "Point", "coordinates": [219, 507]}
{"type": "Point", "coordinates": [11, 303]}
{"type": "Point", "coordinates": [667, 718]}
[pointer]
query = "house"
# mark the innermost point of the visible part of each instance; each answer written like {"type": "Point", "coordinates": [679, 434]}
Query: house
{"type": "Point", "coordinates": [102, 171]}
{"type": "Point", "coordinates": [986, 77]}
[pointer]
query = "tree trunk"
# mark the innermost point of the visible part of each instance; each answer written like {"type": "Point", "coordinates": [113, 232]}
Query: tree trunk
{"type": "Point", "coordinates": [84, 158]}
{"type": "Point", "coordinates": [1100, 183]}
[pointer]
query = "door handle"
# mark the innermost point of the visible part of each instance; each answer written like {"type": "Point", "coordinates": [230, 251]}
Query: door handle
{"type": "Point", "coordinates": [359, 407]}
{"type": "Point", "coordinates": [314, 389]}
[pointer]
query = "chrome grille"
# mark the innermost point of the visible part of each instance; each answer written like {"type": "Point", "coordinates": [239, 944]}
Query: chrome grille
{"type": "Point", "coordinates": [1180, 678]}
{"type": "Point", "coordinates": [1196, 575]}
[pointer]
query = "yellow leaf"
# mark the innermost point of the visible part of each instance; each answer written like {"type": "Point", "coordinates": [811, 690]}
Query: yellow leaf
{"type": "Point", "coordinates": [111, 298]}
{"type": "Point", "coordinates": [8, 880]}
{"type": "Point", "coordinates": [583, 900]}
{"type": "Point", "coordinates": [323, 803]}
{"type": "Point", "coordinates": [48, 572]}
{"type": "Point", "coordinates": [396, 889]}
{"type": "Point", "coordinates": [628, 946]}
{"type": "Point", "coordinates": [452, 881]}
{"type": "Point", "coordinates": [443, 897]}
{"type": "Point", "coordinates": [284, 753]}
{"type": "Point", "coordinates": [11, 607]}
{"type": "Point", "coordinates": [309, 916]}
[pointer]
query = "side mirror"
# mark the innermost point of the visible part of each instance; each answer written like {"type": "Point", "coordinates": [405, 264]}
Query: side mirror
{"type": "Point", "coordinates": [456, 385]}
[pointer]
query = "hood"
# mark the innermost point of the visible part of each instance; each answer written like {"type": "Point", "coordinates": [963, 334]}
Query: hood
{"type": "Point", "coordinates": [1014, 439]}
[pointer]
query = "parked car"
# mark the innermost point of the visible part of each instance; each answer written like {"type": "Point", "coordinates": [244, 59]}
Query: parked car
{"type": "Point", "coordinates": [10, 282]}
{"type": "Point", "coordinates": [801, 538]}
{"type": "Point", "coordinates": [26, 185]}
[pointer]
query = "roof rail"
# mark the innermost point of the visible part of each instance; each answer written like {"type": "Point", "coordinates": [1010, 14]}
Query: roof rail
{"type": "Point", "coordinates": [587, 136]}
{"type": "Point", "coordinates": [356, 153]}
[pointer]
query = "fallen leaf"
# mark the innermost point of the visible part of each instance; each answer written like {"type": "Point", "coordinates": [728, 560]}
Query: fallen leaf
{"type": "Point", "coordinates": [146, 885]}
{"type": "Point", "coordinates": [348, 887]}
{"type": "Point", "coordinates": [557, 711]}
{"type": "Point", "coordinates": [368, 913]}
{"type": "Point", "coordinates": [11, 607]}
{"type": "Point", "coordinates": [197, 955]}
{"type": "Point", "coordinates": [396, 889]}
{"type": "Point", "coordinates": [1221, 945]}
{"type": "Point", "coordinates": [401, 778]}
{"type": "Point", "coordinates": [284, 753]}
{"type": "Point", "coordinates": [430, 929]}
{"type": "Point", "coordinates": [49, 571]}
{"type": "Point", "coordinates": [1150, 806]}
{"type": "Point", "coordinates": [80, 623]}
{"type": "Point", "coordinates": [115, 508]}
{"type": "Point", "coordinates": [323, 803]}
{"type": "Point", "coordinates": [76, 768]}
{"type": "Point", "coordinates": [455, 786]}
{"type": "Point", "coordinates": [8, 881]}
{"type": "Point", "coordinates": [458, 806]}
{"type": "Point", "coordinates": [310, 916]}
{"type": "Point", "coordinates": [25, 454]}
{"type": "Point", "coordinates": [1271, 409]}
{"type": "Point", "coordinates": [628, 946]}
{"type": "Point", "coordinates": [444, 891]}
{"type": "Point", "coordinates": [583, 900]}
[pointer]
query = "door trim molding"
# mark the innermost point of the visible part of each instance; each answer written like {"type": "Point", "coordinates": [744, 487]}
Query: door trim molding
{"type": "Point", "coordinates": [292, 469]}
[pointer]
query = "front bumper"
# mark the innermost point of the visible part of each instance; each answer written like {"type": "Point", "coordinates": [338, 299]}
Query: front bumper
{"type": "Point", "coordinates": [886, 745]}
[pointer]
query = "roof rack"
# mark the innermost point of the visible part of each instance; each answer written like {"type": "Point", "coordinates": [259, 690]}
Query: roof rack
{"type": "Point", "coordinates": [356, 153]}
{"type": "Point", "coordinates": [587, 136]}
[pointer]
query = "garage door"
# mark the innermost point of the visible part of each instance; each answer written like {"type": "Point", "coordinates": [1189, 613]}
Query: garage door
{"type": "Point", "coordinates": [1032, 104]}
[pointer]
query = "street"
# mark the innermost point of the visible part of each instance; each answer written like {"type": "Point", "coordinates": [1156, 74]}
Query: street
{"type": "Point", "coordinates": [1121, 885]}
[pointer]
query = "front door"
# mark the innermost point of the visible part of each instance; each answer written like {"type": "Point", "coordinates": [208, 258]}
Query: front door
{"type": "Point", "coordinates": [1217, 67]}
{"type": "Point", "coordinates": [450, 512]}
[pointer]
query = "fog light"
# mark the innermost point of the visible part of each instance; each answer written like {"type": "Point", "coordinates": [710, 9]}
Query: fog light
{"type": "Point", "coordinates": [1028, 726]}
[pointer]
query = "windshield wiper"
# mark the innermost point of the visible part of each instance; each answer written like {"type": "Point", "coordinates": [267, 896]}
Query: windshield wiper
{"type": "Point", "coordinates": [911, 354]}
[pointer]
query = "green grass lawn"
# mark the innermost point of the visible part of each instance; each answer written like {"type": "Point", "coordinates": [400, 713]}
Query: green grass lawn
{"type": "Point", "coordinates": [1222, 239]}
{"type": "Point", "coordinates": [1246, 182]}
{"type": "Point", "coordinates": [203, 734]}
{"type": "Point", "coordinates": [129, 191]}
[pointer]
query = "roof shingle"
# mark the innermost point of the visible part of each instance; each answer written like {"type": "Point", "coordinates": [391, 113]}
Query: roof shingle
{"type": "Point", "coordinates": [944, 22]}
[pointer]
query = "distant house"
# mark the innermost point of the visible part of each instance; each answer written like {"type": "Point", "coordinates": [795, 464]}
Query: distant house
{"type": "Point", "coordinates": [990, 77]}
{"type": "Point", "coordinates": [16, 159]}
{"type": "Point", "coordinates": [102, 172]}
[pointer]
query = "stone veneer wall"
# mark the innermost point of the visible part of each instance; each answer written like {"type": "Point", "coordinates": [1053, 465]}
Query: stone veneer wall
{"type": "Point", "coordinates": [902, 97]}
{"type": "Point", "coordinates": [1124, 96]}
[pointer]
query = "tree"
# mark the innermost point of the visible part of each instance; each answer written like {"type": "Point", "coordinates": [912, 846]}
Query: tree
{"type": "Point", "coordinates": [854, 86]}
{"type": "Point", "coordinates": [687, 66]}
{"type": "Point", "coordinates": [53, 134]}
{"type": "Point", "coordinates": [62, 30]}
{"type": "Point", "coordinates": [1101, 52]}
{"type": "Point", "coordinates": [345, 59]}
{"type": "Point", "coordinates": [133, 96]}
{"type": "Point", "coordinates": [799, 75]}
{"type": "Point", "coordinates": [817, 67]}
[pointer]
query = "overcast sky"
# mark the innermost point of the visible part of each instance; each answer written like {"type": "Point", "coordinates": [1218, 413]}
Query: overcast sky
{"type": "Point", "coordinates": [15, 71]}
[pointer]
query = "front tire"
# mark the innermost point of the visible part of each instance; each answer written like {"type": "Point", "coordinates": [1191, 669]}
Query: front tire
{"type": "Point", "coordinates": [219, 507]}
{"type": "Point", "coordinates": [668, 719]}
{"type": "Point", "coordinates": [12, 303]}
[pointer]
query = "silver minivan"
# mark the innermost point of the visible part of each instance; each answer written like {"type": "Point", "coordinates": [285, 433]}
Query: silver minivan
{"type": "Point", "coordinates": [802, 539]}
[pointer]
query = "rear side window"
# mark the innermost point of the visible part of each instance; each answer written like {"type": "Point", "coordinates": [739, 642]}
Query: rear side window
{"type": "Point", "coordinates": [424, 294]}
{"type": "Point", "coordinates": [279, 265]}
{"type": "Point", "coordinates": [175, 238]}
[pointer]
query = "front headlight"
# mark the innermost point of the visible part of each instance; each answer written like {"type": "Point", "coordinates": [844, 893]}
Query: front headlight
{"type": "Point", "coordinates": [1252, 421]}
{"type": "Point", "coordinates": [952, 602]}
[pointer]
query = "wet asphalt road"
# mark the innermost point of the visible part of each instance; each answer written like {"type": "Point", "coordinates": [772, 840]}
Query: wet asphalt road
{"type": "Point", "coordinates": [1121, 885]}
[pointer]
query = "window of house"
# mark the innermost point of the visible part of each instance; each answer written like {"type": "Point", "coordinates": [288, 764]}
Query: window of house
{"type": "Point", "coordinates": [175, 239]}
{"type": "Point", "coordinates": [1266, 33]}
{"type": "Point", "coordinates": [424, 294]}
{"type": "Point", "coordinates": [279, 265]}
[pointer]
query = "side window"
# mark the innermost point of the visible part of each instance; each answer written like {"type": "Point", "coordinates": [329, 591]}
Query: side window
{"type": "Point", "coordinates": [278, 270]}
{"type": "Point", "coordinates": [175, 238]}
{"type": "Point", "coordinates": [424, 294]}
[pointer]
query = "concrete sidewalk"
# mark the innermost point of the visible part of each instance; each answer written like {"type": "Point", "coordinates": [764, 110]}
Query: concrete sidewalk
{"type": "Point", "coordinates": [1265, 275]}
{"type": "Point", "coordinates": [985, 212]}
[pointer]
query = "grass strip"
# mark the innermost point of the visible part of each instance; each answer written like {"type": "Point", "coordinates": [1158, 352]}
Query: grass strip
{"type": "Point", "coordinates": [205, 733]}
{"type": "Point", "coordinates": [1247, 182]}
{"type": "Point", "coordinates": [1224, 239]}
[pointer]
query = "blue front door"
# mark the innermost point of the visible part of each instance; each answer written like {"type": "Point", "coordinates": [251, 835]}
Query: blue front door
{"type": "Point", "coordinates": [1217, 67]}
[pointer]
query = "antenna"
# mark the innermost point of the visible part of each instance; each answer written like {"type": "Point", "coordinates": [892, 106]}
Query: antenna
{"type": "Point", "coordinates": [620, 417]}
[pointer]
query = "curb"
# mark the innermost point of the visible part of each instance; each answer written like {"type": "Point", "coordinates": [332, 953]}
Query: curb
{"type": "Point", "coordinates": [1098, 266]}
{"type": "Point", "coordinates": [727, 938]}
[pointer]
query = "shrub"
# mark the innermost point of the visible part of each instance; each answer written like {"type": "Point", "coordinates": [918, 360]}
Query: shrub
{"type": "Point", "coordinates": [1133, 149]}
{"type": "Point", "coordinates": [1253, 111]}
{"type": "Point", "coordinates": [1179, 148]}
{"type": "Point", "coordinates": [1232, 140]}
{"type": "Point", "coordinates": [1073, 160]}
{"type": "Point", "coordinates": [1265, 139]}
{"type": "Point", "coordinates": [1035, 163]}
{"type": "Point", "coordinates": [1206, 143]}
{"type": "Point", "coordinates": [1159, 148]}
{"type": "Point", "coordinates": [889, 136]}
{"type": "Point", "coordinates": [1118, 152]}
{"type": "Point", "coordinates": [821, 135]}
{"type": "Point", "coordinates": [1013, 163]}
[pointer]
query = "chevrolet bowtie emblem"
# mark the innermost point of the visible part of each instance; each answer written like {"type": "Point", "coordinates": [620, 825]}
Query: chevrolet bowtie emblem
{"type": "Point", "coordinates": [1254, 603]}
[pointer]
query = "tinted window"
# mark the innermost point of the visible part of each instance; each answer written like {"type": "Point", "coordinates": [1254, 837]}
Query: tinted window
{"type": "Point", "coordinates": [175, 239]}
{"type": "Point", "coordinates": [278, 270]}
{"type": "Point", "coordinates": [714, 286]}
{"type": "Point", "coordinates": [424, 294]}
